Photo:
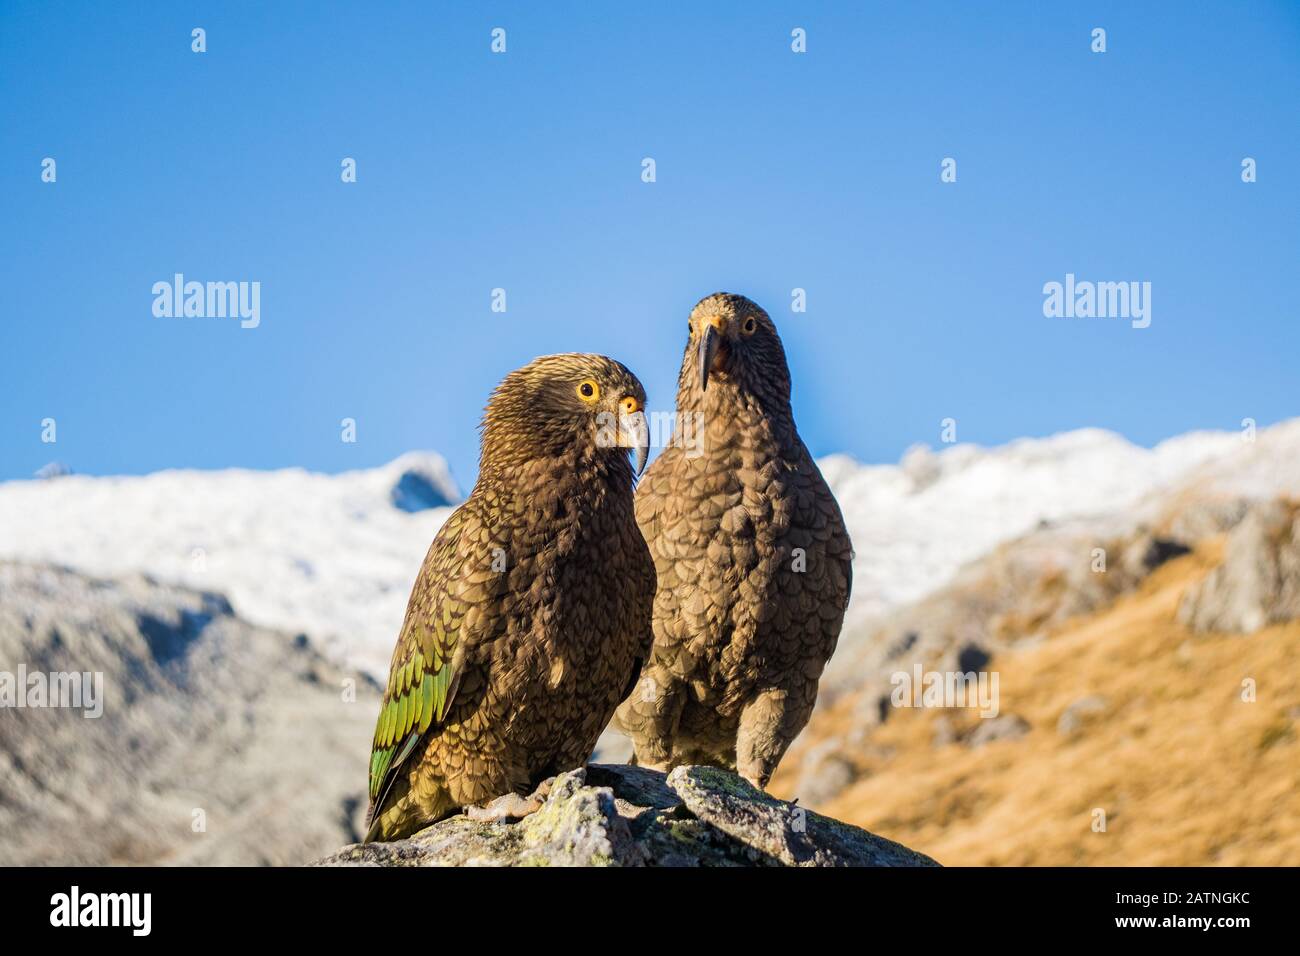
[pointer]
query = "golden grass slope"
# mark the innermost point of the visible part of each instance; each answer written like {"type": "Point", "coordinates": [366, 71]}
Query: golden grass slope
{"type": "Point", "coordinates": [1186, 770]}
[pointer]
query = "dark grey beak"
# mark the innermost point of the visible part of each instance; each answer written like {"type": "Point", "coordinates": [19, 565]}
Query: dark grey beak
{"type": "Point", "coordinates": [634, 433]}
{"type": "Point", "coordinates": [709, 341]}
{"type": "Point", "coordinates": [642, 454]}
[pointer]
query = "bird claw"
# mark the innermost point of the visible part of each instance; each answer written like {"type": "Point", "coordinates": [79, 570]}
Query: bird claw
{"type": "Point", "coordinates": [510, 806]}
{"type": "Point", "coordinates": [543, 790]}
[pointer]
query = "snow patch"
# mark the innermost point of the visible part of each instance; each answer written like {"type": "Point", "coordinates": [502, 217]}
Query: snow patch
{"type": "Point", "coordinates": [330, 555]}
{"type": "Point", "coordinates": [916, 523]}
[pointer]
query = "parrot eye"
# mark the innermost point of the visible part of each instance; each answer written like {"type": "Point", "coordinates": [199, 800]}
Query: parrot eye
{"type": "Point", "coordinates": [749, 326]}
{"type": "Point", "coordinates": [589, 391]}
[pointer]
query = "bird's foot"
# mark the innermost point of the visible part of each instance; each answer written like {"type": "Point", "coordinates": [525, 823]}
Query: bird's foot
{"type": "Point", "coordinates": [543, 790]}
{"type": "Point", "coordinates": [511, 806]}
{"type": "Point", "coordinates": [508, 806]}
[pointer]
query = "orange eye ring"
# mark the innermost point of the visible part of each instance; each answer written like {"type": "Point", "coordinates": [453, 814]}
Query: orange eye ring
{"type": "Point", "coordinates": [588, 391]}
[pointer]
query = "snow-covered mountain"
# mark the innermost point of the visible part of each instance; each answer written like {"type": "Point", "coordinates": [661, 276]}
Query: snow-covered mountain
{"type": "Point", "coordinates": [915, 523]}
{"type": "Point", "coordinates": [334, 556]}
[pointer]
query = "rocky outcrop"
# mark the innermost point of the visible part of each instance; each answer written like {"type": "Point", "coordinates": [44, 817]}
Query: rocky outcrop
{"type": "Point", "coordinates": [1258, 582]}
{"type": "Point", "coordinates": [615, 815]}
{"type": "Point", "coordinates": [198, 738]}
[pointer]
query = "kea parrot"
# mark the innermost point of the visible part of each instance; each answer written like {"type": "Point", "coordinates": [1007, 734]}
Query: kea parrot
{"type": "Point", "coordinates": [753, 562]}
{"type": "Point", "coordinates": [530, 617]}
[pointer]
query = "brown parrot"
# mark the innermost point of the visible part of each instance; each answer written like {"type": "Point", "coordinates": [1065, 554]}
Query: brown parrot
{"type": "Point", "coordinates": [531, 614]}
{"type": "Point", "coordinates": [753, 561]}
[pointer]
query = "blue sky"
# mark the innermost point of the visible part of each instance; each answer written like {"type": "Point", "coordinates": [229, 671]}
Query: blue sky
{"type": "Point", "coordinates": [775, 170]}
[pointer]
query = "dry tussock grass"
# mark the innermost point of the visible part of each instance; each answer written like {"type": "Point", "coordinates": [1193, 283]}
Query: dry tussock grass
{"type": "Point", "coordinates": [1185, 770]}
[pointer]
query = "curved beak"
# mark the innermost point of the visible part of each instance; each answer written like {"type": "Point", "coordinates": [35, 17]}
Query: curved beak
{"type": "Point", "coordinates": [709, 341]}
{"type": "Point", "coordinates": [634, 433]}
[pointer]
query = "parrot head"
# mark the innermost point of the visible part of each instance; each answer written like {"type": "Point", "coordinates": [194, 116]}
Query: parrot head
{"type": "Point", "coordinates": [733, 340]}
{"type": "Point", "coordinates": [559, 402]}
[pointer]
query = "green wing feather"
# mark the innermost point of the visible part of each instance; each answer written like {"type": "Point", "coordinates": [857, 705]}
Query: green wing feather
{"type": "Point", "coordinates": [406, 714]}
{"type": "Point", "coordinates": [422, 679]}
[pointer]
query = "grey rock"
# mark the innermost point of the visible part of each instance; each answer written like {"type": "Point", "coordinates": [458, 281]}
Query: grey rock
{"type": "Point", "coordinates": [578, 825]}
{"type": "Point", "coordinates": [614, 815]}
{"type": "Point", "coordinates": [1208, 517]}
{"type": "Point", "coordinates": [1080, 713]}
{"type": "Point", "coordinates": [635, 786]}
{"type": "Point", "coordinates": [1258, 582]}
{"type": "Point", "coordinates": [780, 831]}
{"type": "Point", "coordinates": [1002, 727]}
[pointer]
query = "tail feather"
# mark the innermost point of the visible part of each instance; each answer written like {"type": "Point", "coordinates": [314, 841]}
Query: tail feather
{"type": "Point", "coordinates": [372, 828]}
